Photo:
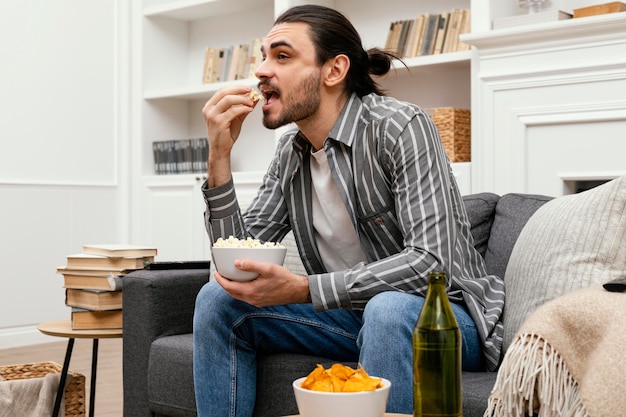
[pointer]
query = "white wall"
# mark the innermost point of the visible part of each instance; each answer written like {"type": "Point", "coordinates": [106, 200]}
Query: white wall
{"type": "Point", "coordinates": [63, 127]}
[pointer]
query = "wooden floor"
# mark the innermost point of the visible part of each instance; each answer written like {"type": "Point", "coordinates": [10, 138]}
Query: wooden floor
{"type": "Point", "coordinates": [109, 390]}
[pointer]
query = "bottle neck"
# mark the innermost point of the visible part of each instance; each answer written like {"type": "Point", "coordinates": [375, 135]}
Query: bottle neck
{"type": "Point", "coordinates": [437, 312]}
{"type": "Point", "coordinates": [437, 282]}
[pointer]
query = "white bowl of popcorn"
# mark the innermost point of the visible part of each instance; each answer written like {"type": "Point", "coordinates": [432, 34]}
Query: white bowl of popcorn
{"type": "Point", "coordinates": [226, 251]}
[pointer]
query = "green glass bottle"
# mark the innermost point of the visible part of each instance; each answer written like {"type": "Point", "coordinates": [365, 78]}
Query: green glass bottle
{"type": "Point", "coordinates": [437, 355]}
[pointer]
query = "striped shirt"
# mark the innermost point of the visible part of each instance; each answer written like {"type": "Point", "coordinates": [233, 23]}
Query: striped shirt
{"type": "Point", "coordinates": [396, 182]}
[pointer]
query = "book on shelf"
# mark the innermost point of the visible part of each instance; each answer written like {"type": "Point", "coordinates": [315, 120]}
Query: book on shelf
{"type": "Point", "coordinates": [107, 280]}
{"type": "Point", "coordinates": [240, 64]}
{"type": "Point", "coordinates": [116, 250]}
{"type": "Point", "coordinates": [444, 20]}
{"type": "Point", "coordinates": [256, 57]}
{"type": "Point", "coordinates": [418, 36]}
{"type": "Point", "coordinates": [604, 8]}
{"type": "Point", "coordinates": [429, 34]}
{"type": "Point", "coordinates": [405, 30]}
{"type": "Point", "coordinates": [393, 36]}
{"type": "Point", "coordinates": [454, 30]}
{"type": "Point", "coordinates": [225, 59]}
{"type": "Point", "coordinates": [231, 63]}
{"type": "Point", "coordinates": [180, 156]}
{"type": "Point", "coordinates": [235, 56]}
{"type": "Point", "coordinates": [83, 319]}
{"type": "Point", "coordinates": [164, 161]}
{"type": "Point", "coordinates": [209, 74]}
{"type": "Point", "coordinates": [96, 300]}
{"type": "Point", "coordinates": [466, 27]}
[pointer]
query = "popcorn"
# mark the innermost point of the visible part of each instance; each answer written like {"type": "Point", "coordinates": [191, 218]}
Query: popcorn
{"type": "Point", "coordinates": [233, 242]}
{"type": "Point", "coordinates": [255, 96]}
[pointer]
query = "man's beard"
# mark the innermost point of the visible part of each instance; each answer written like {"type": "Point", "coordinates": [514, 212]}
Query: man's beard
{"type": "Point", "coordinates": [302, 104]}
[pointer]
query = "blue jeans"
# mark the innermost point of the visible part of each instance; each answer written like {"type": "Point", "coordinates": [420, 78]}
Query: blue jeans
{"type": "Point", "coordinates": [229, 333]}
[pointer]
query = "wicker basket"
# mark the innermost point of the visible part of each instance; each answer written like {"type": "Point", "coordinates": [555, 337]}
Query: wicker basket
{"type": "Point", "coordinates": [74, 390]}
{"type": "Point", "coordinates": [455, 130]}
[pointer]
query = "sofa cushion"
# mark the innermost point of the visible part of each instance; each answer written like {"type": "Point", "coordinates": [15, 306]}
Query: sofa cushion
{"type": "Point", "coordinates": [512, 213]}
{"type": "Point", "coordinates": [277, 371]}
{"type": "Point", "coordinates": [170, 376]}
{"type": "Point", "coordinates": [480, 210]}
{"type": "Point", "coordinates": [476, 387]}
{"type": "Point", "coordinates": [275, 374]}
{"type": "Point", "coordinates": [571, 242]}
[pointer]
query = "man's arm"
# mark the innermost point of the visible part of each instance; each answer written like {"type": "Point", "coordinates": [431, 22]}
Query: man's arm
{"type": "Point", "coordinates": [224, 114]}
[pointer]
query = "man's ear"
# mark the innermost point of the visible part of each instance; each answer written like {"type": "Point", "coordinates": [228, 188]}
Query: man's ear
{"type": "Point", "coordinates": [335, 70]}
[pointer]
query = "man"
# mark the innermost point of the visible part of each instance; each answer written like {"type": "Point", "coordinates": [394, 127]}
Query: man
{"type": "Point", "coordinates": [365, 185]}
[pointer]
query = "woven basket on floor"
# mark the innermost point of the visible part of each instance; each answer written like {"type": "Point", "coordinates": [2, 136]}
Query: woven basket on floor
{"type": "Point", "coordinates": [74, 390]}
{"type": "Point", "coordinates": [454, 127]}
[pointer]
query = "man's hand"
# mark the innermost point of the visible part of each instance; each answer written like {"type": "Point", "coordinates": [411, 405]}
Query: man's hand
{"type": "Point", "coordinates": [224, 114]}
{"type": "Point", "coordinates": [275, 285]}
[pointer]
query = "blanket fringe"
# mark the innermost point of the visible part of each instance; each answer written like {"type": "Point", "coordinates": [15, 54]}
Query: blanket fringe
{"type": "Point", "coordinates": [533, 378]}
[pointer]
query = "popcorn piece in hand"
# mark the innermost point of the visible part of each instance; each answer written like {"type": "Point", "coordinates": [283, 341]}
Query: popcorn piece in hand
{"type": "Point", "coordinates": [255, 96]}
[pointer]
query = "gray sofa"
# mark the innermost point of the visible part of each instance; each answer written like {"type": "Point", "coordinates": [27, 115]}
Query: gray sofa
{"type": "Point", "coordinates": [158, 311]}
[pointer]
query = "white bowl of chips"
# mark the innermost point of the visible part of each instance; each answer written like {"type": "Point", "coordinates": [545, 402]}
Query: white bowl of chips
{"type": "Point", "coordinates": [226, 251]}
{"type": "Point", "coordinates": [368, 403]}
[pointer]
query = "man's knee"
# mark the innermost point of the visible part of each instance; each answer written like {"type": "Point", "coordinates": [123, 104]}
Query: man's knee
{"type": "Point", "coordinates": [393, 305]}
{"type": "Point", "coordinates": [210, 300]}
{"type": "Point", "coordinates": [390, 315]}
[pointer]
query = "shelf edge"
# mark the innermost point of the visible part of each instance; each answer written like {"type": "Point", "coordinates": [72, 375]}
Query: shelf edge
{"type": "Point", "coordinates": [569, 30]}
{"type": "Point", "coordinates": [191, 10]}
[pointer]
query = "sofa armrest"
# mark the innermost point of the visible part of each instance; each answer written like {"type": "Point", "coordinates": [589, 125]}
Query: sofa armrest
{"type": "Point", "coordinates": [155, 304]}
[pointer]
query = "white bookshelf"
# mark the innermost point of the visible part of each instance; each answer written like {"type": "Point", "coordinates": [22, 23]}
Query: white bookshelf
{"type": "Point", "coordinates": [173, 36]}
{"type": "Point", "coordinates": [549, 108]}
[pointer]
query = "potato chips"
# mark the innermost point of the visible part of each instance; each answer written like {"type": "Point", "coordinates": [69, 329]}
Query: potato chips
{"type": "Point", "coordinates": [340, 378]}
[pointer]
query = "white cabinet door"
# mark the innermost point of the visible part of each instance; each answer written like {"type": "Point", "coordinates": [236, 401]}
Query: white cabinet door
{"type": "Point", "coordinates": [549, 109]}
{"type": "Point", "coordinates": [172, 219]}
{"type": "Point", "coordinates": [173, 215]}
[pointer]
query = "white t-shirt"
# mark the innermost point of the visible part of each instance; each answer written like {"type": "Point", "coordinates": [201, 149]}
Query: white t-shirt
{"type": "Point", "coordinates": [336, 238]}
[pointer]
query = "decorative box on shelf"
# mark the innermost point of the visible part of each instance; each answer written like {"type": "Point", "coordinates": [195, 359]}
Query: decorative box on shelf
{"type": "Point", "coordinates": [530, 19]}
{"type": "Point", "coordinates": [454, 125]}
{"type": "Point", "coordinates": [74, 394]}
{"type": "Point", "coordinates": [613, 7]}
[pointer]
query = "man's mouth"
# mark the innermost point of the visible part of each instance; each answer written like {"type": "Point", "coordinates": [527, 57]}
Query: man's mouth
{"type": "Point", "coordinates": [269, 94]}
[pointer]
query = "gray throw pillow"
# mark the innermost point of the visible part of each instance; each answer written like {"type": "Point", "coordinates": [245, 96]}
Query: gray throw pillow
{"type": "Point", "coordinates": [569, 243]}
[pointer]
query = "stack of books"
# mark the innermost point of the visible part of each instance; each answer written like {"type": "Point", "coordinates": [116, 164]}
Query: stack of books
{"type": "Point", "coordinates": [429, 34]}
{"type": "Point", "coordinates": [93, 282]}
{"type": "Point", "coordinates": [180, 156]}
{"type": "Point", "coordinates": [235, 62]}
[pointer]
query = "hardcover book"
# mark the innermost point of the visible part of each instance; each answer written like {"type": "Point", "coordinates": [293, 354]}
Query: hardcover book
{"type": "Point", "coordinates": [612, 7]}
{"type": "Point", "coordinates": [91, 320]}
{"type": "Point", "coordinates": [100, 262]}
{"type": "Point", "coordinates": [107, 280]}
{"type": "Point", "coordinates": [96, 300]}
{"type": "Point", "coordinates": [430, 33]}
{"type": "Point", "coordinates": [120, 250]}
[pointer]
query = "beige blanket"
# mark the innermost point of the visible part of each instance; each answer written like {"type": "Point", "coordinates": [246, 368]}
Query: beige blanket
{"type": "Point", "coordinates": [568, 359]}
{"type": "Point", "coordinates": [32, 397]}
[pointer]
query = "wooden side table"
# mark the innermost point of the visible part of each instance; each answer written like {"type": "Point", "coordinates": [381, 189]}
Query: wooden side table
{"type": "Point", "coordinates": [63, 328]}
